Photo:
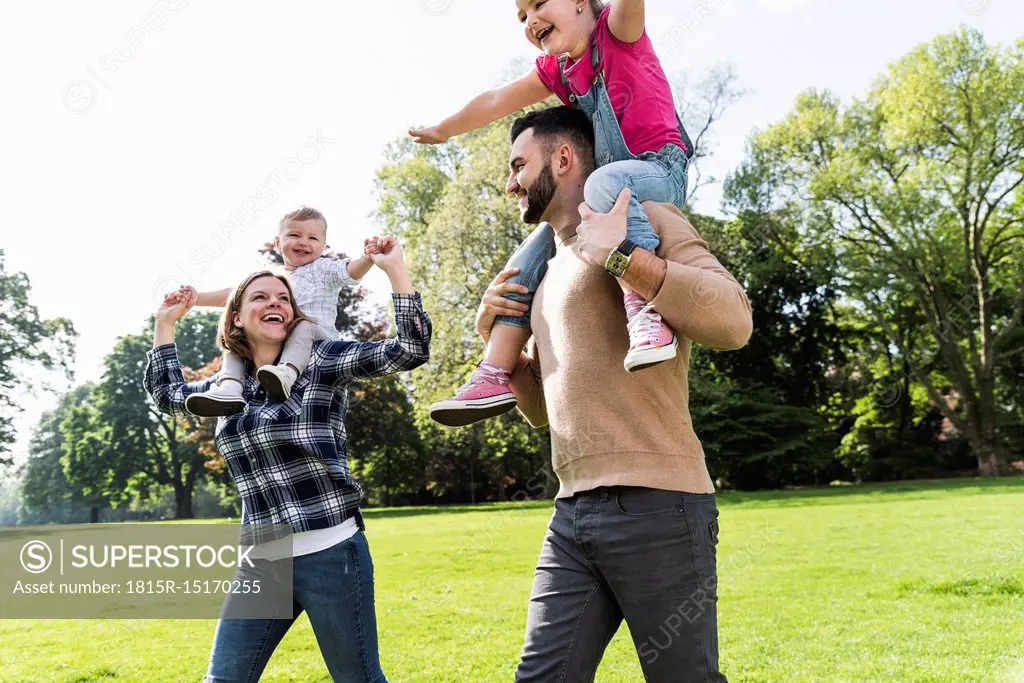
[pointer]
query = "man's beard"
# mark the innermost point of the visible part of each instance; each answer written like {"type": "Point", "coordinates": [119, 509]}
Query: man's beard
{"type": "Point", "coordinates": [539, 196]}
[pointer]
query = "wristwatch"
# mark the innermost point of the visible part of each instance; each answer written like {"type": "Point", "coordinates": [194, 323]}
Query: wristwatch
{"type": "Point", "coordinates": [618, 259]}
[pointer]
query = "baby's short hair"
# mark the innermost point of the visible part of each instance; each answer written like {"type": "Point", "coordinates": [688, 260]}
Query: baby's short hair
{"type": "Point", "coordinates": [303, 213]}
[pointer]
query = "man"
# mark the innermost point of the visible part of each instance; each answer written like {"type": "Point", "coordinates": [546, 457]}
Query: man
{"type": "Point", "coordinates": [635, 525]}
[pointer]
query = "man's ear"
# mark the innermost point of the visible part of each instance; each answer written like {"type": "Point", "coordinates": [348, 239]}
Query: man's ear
{"type": "Point", "coordinates": [565, 159]}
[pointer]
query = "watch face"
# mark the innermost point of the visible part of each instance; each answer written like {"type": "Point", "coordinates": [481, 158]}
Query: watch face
{"type": "Point", "coordinates": [616, 263]}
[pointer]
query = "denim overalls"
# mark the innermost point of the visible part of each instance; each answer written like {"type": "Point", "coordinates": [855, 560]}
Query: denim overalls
{"type": "Point", "coordinates": [652, 176]}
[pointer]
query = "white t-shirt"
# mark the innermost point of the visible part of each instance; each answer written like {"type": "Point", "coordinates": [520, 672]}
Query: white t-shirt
{"type": "Point", "coordinates": [305, 542]}
{"type": "Point", "coordinates": [316, 291]}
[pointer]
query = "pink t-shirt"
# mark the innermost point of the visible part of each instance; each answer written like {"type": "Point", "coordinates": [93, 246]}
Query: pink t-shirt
{"type": "Point", "coordinates": [637, 87]}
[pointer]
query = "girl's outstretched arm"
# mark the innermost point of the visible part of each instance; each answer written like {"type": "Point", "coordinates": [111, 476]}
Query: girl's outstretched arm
{"type": "Point", "coordinates": [626, 20]}
{"type": "Point", "coordinates": [486, 108]}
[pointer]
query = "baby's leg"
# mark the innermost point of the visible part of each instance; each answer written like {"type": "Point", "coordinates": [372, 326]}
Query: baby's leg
{"type": "Point", "coordinates": [299, 346]}
{"type": "Point", "coordinates": [232, 368]}
{"type": "Point", "coordinates": [278, 379]}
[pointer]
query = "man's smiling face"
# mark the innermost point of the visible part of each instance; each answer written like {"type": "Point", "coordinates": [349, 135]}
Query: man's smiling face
{"type": "Point", "coordinates": [530, 177]}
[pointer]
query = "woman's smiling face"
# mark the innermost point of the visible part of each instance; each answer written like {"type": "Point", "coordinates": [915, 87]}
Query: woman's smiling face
{"type": "Point", "coordinates": [266, 310]}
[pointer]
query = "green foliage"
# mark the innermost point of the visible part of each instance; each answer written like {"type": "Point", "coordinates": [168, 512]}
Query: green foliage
{"type": "Point", "coordinates": [448, 204]}
{"type": "Point", "coordinates": [26, 341]}
{"type": "Point", "coordinates": [118, 445]}
{"type": "Point", "coordinates": [918, 187]}
{"type": "Point", "coordinates": [47, 494]}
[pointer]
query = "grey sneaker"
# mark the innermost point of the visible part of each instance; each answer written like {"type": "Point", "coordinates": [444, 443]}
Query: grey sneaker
{"type": "Point", "coordinates": [277, 380]}
{"type": "Point", "coordinates": [220, 401]}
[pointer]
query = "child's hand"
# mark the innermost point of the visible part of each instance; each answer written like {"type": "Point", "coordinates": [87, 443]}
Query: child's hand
{"type": "Point", "coordinates": [189, 292]}
{"type": "Point", "coordinates": [371, 246]}
{"type": "Point", "coordinates": [428, 136]}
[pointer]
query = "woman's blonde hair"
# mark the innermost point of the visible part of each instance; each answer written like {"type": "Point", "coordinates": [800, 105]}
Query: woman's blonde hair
{"type": "Point", "coordinates": [232, 338]}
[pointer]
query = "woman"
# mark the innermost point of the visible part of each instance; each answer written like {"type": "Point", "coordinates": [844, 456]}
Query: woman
{"type": "Point", "coordinates": [288, 460]}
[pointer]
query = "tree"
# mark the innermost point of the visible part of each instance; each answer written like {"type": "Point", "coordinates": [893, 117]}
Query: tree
{"type": "Point", "coordinates": [120, 443]}
{"type": "Point", "coordinates": [46, 493]}
{"type": "Point", "coordinates": [919, 185]}
{"type": "Point", "coordinates": [26, 341]}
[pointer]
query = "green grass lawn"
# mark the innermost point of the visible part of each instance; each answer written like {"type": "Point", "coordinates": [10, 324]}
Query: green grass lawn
{"type": "Point", "coordinates": [902, 582]}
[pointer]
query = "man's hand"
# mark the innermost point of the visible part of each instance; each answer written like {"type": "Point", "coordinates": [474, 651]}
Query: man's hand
{"type": "Point", "coordinates": [493, 303]}
{"type": "Point", "coordinates": [599, 233]}
{"type": "Point", "coordinates": [428, 136]}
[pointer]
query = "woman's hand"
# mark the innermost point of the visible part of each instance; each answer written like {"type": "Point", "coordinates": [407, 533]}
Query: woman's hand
{"type": "Point", "coordinates": [391, 260]}
{"type": "Point", "coordinates": [388, 255]}
{"type": "Point", "coordinates": [493, 303]}
{"type": "Point", "coordinates": [174, 307]}
{"type": "Point", "coordinates": [428, 136]}
{"type": "Point", "coordinates": [176, 304]}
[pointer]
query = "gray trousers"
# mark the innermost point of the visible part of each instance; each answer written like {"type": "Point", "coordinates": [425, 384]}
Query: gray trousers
{"type": "Point", "coordinates": [298, 347]}
{"type": "Point", "coordinates": [643, 555]}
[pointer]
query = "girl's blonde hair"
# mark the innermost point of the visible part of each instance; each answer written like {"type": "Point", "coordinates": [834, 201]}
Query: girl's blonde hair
{"type": "Point", "coordinates": [232, 338]}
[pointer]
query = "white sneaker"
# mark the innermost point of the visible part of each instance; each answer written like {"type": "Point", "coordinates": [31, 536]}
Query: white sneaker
{"type": "Point", "coordinates": [277, 380]}
{"type": "Point", "coordinates": [220, 401]}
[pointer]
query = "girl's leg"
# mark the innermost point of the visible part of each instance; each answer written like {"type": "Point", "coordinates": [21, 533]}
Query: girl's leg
{"type": "Point", "coordinates": [487, 394]}
{"type": "Point", "coordinates": [278, 379]}
{"type": "Point", "coordinates": [648, 180]}
{"type": "Point", "coordinates": [506, 344]}
{"type": "Point", "coordinates": [224, 398]}
{"type": "Point", "coordinates": [651, 341]}
{"type": "Point", "coordinates": [335, 586]}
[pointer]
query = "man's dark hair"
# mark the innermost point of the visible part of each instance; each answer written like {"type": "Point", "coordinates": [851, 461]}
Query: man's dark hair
{"type": "Point", "coordinates": [557, 124]}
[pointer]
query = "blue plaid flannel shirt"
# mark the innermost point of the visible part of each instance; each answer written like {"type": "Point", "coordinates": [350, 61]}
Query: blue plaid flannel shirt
{"type": "Point", "coordinates": [289, 460]}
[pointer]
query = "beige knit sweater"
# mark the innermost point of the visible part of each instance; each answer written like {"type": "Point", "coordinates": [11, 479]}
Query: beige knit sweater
{"type": "Point", "coordinates": [610, 427]}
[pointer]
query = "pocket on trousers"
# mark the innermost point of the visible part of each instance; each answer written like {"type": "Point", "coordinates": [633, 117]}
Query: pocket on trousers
{"type": "Point", "coordinates": [643, 502]}
{"type": "Point", "coordinates": [702, 522]}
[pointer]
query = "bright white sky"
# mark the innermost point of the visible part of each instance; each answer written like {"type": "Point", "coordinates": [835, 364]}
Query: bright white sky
{"type": "Point", "coordinates": [137, 130]}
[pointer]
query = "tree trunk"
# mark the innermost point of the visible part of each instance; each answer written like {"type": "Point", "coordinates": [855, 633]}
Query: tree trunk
{"type": "Point", "coordinates": [183, 499]}
{"type": "Point", "coordinates": [991, 457]}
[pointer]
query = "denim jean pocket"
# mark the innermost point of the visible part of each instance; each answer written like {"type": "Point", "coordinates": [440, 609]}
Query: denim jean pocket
{"type": "Point", "coordinates": [702, 523]}
{"type": "Point", "coordinates": [644, 502]}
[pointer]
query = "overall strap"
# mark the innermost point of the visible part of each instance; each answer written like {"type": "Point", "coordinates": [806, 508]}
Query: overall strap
{"type": "Point", "coordinates": [690, 151]}
{"type": "Point", "coordinates": [562, 59]}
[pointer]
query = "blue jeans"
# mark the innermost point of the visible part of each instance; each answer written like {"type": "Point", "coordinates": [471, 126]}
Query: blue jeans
{"type": "Point", "coordinates": [646, 556]}
{"type": "Point", "coordinates": [335, 588]}
{"type": "Point", "coordinates": [653, 176]}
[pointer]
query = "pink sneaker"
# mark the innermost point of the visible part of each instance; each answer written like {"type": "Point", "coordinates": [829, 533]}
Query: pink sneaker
{"type": "Point", "coordinates": [651, 341]}
{"type": "Point", "coordinates": [485, 395]}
